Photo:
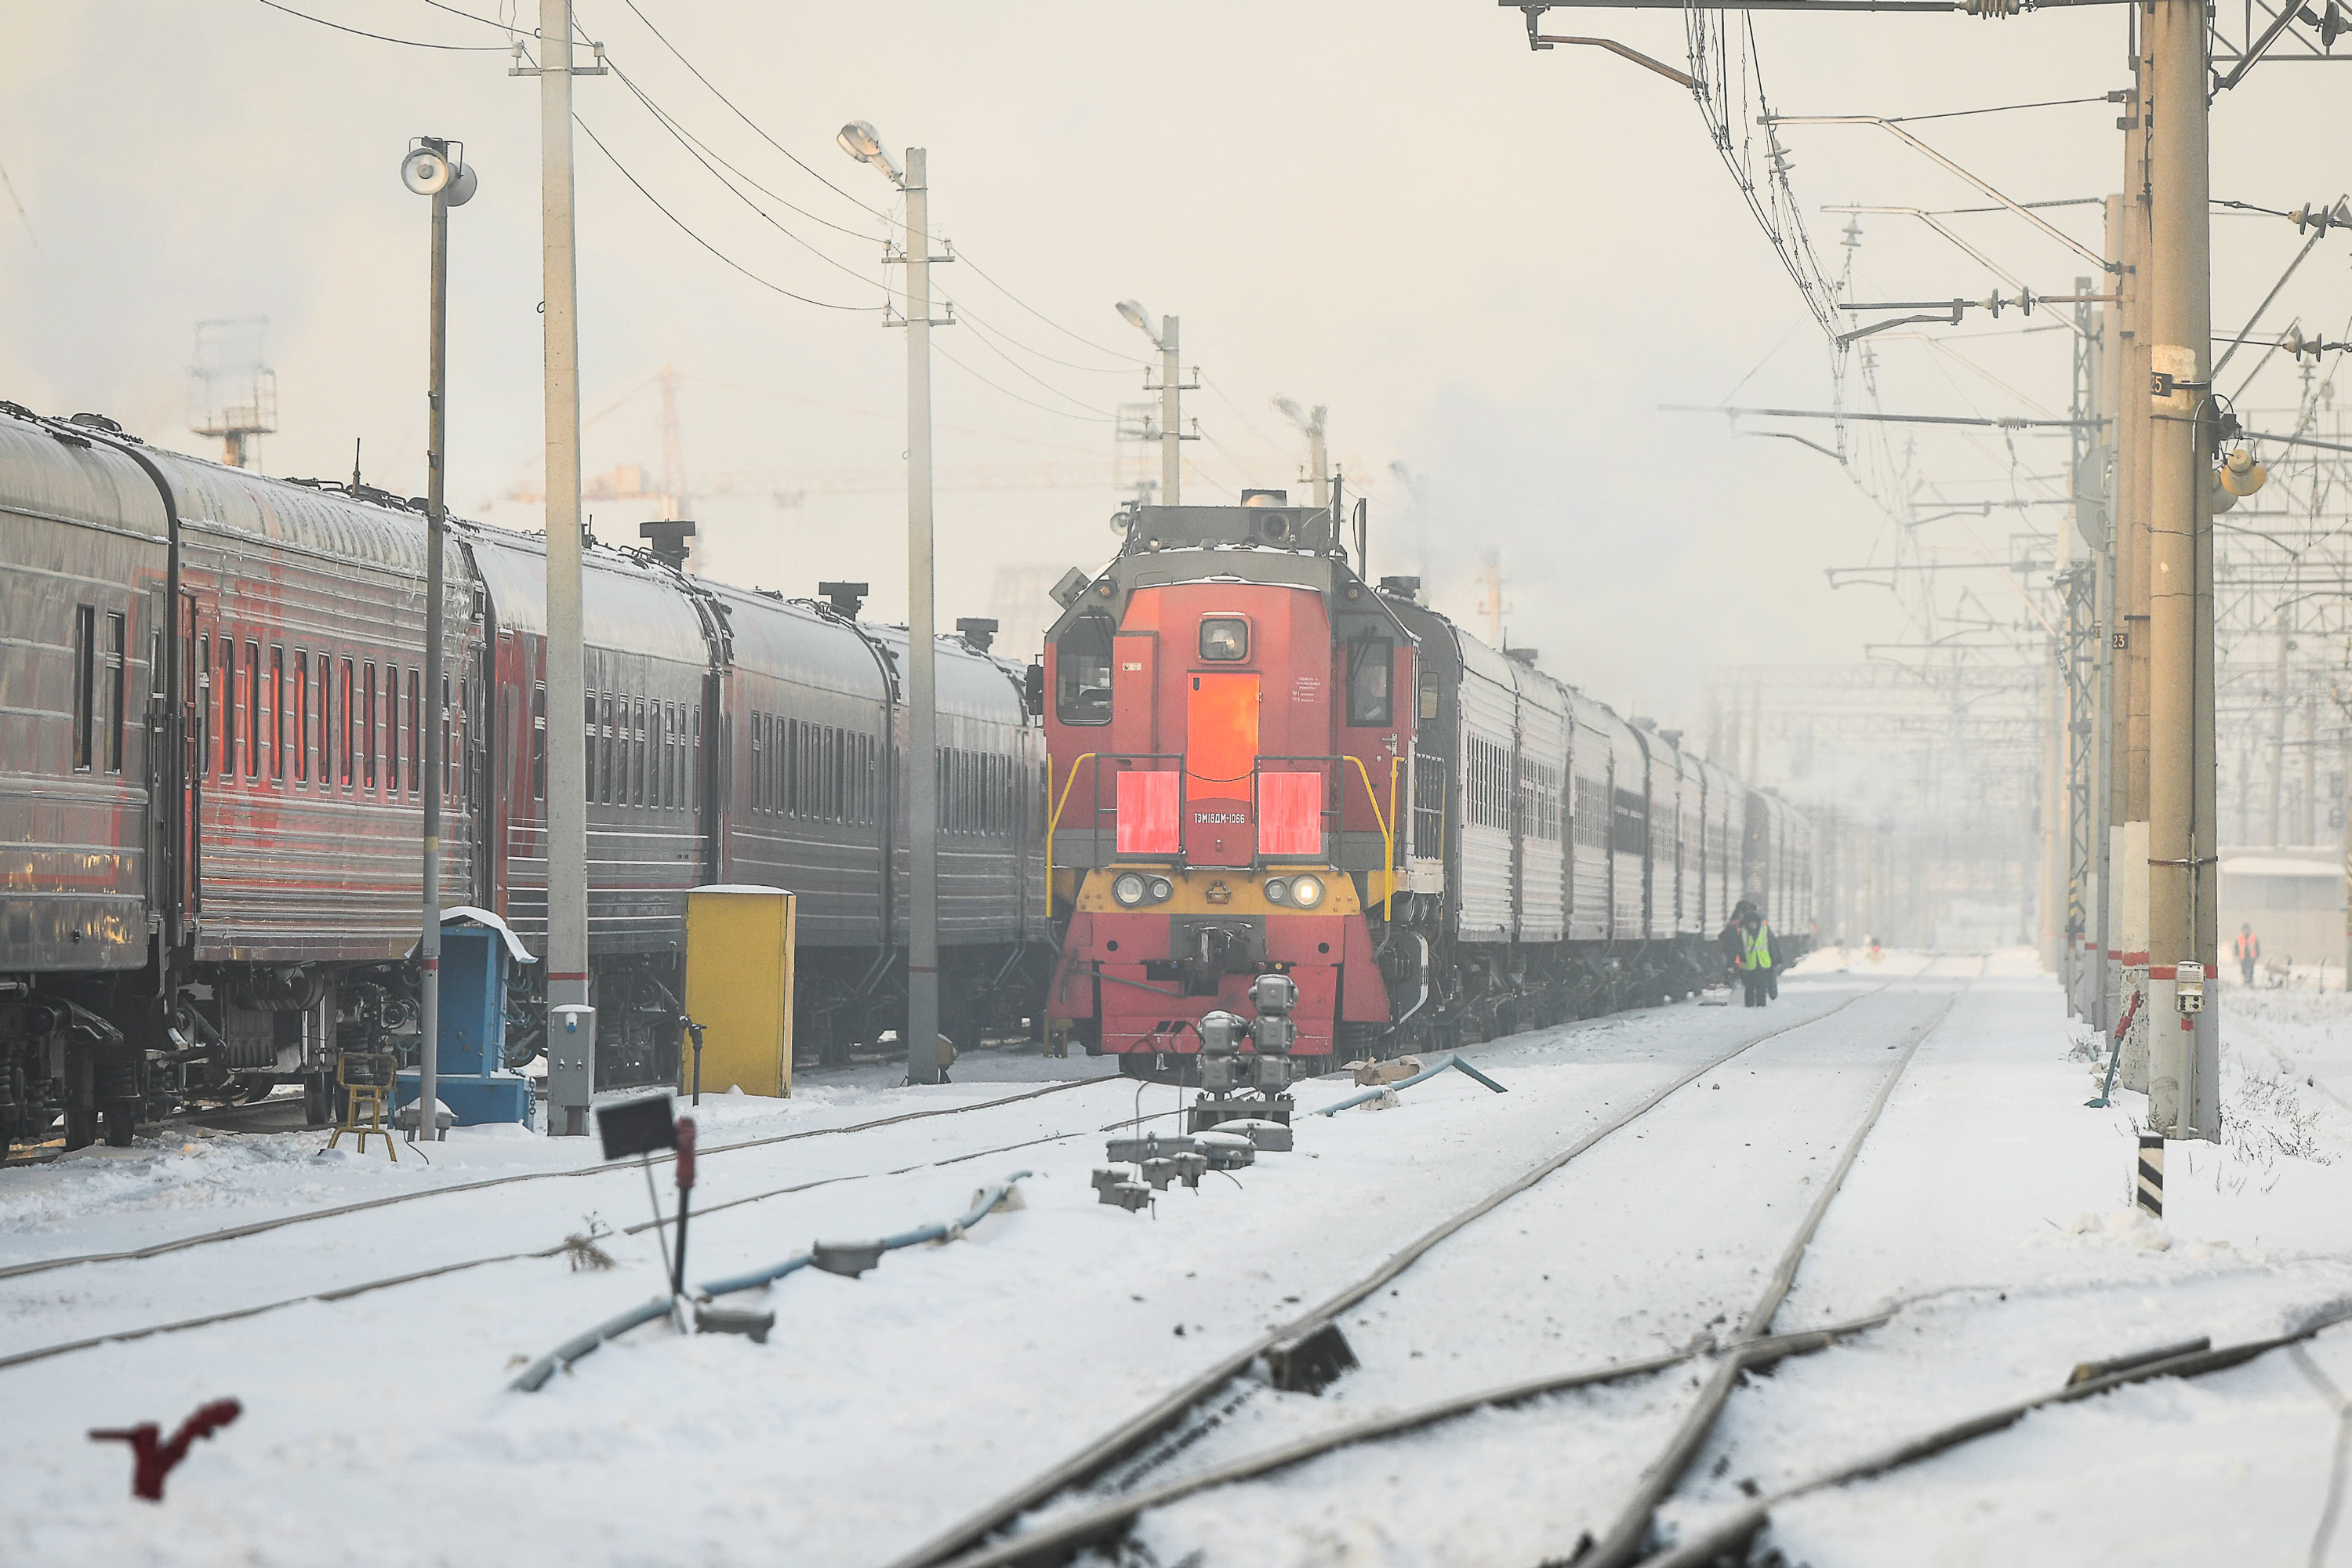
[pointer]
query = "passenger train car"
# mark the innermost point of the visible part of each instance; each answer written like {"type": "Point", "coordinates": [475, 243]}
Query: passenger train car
{"type": "Point", "coordinates": [1260, 761]}
{"type": "Point", "coordinates": [212, 719]}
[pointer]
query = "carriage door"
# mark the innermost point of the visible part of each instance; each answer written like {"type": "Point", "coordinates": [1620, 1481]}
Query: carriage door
{"type": "Point", "coordinates": [1220, 765]}
{"type": "Point", "coordinates": [193, 703]}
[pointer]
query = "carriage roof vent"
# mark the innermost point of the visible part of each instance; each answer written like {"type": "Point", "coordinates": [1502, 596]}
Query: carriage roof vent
{"type": "Point", "coordinates": [1525, 655]}
{"type": "Point", "coordinates": [978, 631]}
{"type": "Point", "coordinates": [1401, 587]}
{"type": "Point", "coordinates": [846, 598]}
{"type": "Point", "coordinates": [666, 539]}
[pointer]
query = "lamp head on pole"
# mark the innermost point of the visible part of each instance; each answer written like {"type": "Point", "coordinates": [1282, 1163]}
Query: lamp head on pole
{"type": "Point", "coordinates": [859, 140]}
{"type": "Point", "coordinates": [438, 168]}
{"type": "Point", "coordinates": [1139, 319]}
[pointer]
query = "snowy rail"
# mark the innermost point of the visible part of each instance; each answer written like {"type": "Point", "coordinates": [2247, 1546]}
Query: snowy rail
{"type": "Point", "coordinates": [963, 1542]}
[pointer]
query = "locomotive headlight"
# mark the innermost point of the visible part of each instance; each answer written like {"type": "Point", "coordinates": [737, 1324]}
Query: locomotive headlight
{"type": "Point", "coordinates": [1306, 893]}
{"type": "Point", "coordinates": [1277, 890]}
{"type": "Point", "coordinates": [1162, 889]}
{"type": "Point", "coordinates": [1129, 890]}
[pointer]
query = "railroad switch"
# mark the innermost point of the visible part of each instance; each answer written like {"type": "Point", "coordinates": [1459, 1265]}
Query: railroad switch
{"type": "Point", "coordinates": [1311, 1362]}
{"type": "Point", "coordinates": [1118, 1188]}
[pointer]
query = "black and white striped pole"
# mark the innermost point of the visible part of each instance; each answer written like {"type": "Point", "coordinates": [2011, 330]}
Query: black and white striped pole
{"type": "Point", "coordinates": [2149, 1183]}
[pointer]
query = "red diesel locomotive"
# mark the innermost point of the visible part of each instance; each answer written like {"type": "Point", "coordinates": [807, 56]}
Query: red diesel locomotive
{"type": "Point", "coordinates": [1260, 762]}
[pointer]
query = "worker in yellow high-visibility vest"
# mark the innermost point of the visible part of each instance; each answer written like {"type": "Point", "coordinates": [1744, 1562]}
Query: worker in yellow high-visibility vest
{"type": "Point", "coordinates": [1756, 954]}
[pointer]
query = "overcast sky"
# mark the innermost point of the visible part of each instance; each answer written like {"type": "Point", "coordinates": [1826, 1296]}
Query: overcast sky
{"type": "Point", "coordinates": [1492, 265]}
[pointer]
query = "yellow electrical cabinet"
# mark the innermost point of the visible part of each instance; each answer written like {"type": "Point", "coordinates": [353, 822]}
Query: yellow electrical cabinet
{"type": "Point", "coordinates": [738, 987]}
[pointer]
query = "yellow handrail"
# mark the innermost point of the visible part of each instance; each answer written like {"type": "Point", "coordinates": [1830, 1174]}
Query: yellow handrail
{"type": "Point", "coordinates": [1388, 834]}
{"type": "Point", "coordinates": [1053, 822]}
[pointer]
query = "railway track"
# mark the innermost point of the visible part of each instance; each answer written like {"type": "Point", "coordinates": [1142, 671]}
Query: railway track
{"type": "Point", "coordinates": [1089, 1520]}
{"type": "Point", "coordinates": [368, 1287]}
{"type": "Point", "coordinates": [390, 1200]}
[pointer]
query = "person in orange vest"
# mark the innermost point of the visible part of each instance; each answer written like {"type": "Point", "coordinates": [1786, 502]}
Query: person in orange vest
{"type": "Point", "coordinates": [2248, 951]}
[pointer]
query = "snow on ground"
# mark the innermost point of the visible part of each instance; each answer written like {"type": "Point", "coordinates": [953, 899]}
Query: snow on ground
{"type": "Point", "coordinates": [378, 1431]}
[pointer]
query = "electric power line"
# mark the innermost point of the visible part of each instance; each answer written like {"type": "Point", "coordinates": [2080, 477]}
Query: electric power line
{"type": "Point", "coordinates": [387, 37]}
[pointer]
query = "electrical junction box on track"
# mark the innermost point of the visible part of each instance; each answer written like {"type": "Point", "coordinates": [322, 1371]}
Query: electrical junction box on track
{"type": "Point", "coordinates": [738, 987]}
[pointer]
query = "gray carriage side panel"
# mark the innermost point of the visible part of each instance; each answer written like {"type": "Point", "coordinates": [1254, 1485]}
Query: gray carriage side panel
{"type": "Point", "coordinates": [1690, 827]}
{"type": "Point", "coordinates": [643, 647]}
{"type": "Point", "coordinates": [1591, 822]}
{"type": "Point", "coordinates": [1725, 799]}
{"type": "Point", "coordinates": [984, 738]}
{"type": "Point", "coordinates": [78, 527]}
{"type": "Point", "coordinates": [1628, 830]}
{"type": "Point", "coordinates": [1542, 774]}
{"type": "Point", "coordinates": [316, 869]}
{"type": "Point", "coordinates": [807, 771]}
{"type": "Point", "coordinates": [1489, 713]}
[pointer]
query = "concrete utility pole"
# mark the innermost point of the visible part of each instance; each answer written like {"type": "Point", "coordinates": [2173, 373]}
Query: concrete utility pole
{"type": "Point", "coordinates": [570, 1054]}
{"type": "Point", "coordinates": [922, 651]}
{"type": "Point", "coordinates": [2183, 1066]}
{"type": "Point", "coordinates": [1318, 464]}
{"type": "Point", "coordinates": [1172, 387]}
{"type": "Point", "coordinates": [430, 169]}
{"type": "Point", "coordinates": [922, 1039]}
{"type": "Point", "coordinates": [2278, 735]}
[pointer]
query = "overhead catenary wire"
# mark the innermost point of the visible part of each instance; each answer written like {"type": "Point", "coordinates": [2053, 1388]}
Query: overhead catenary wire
{"type": "Point", "coordinates": [689, 231]}
{"type": "Point", "coordinates": [387, 37]}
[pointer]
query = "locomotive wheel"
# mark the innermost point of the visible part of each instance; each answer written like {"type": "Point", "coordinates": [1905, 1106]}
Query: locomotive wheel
{"type": "Point", "coordinates": [122, 1121]}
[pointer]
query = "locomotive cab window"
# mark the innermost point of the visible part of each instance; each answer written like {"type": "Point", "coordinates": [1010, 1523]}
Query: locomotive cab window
{"type": "Point", "coordinates": [1371, 662]}
{"type": "Point", "coordinates": [1082, 672]}
{"type": "Point", "coordinates": [1225, 638]}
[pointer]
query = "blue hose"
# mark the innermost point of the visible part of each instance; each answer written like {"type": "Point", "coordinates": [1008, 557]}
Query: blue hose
{"type": "Point", "coordinates": [1372, 1094]}
{"type": "Point", "coordinates": [534, 1376]}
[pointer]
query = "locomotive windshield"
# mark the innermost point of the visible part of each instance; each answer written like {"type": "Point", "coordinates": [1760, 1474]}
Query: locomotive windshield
{"type": "Point", "coordinates": [1371, 661]}
{"type": "Point", "coordinates": [1224, 638]}
{"type": "Point", "coordinates": [1082, 672]}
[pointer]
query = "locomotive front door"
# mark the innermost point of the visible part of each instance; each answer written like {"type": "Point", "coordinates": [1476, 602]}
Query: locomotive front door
{"type": "Point", "coordinates": [1220, 769]}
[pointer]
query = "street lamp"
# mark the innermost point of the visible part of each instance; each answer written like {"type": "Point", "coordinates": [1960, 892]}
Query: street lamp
{"type": "Point", "coordinates": [922, 1037]}
{"type": "Point", "coordinates": [1171, 453]}
{"type": "Point", "coordinates": [438, 169]}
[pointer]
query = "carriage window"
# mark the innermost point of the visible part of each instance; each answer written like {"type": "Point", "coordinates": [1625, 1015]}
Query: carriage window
{"type": "Point", "coordinates": [539, 742]}
{"type": "Point", "coordinates": [637, 757]}
{"type": "Point", "coordinates": [1225, 638]}
{"type": "Point", "coordinates": [85, 684]}
{"type": "Point", "coordinates": [279, 694]}
{"type": "Point", "coordinates": [231, 704]}
{"type": "Point", "coordinates": [448, 747]}
{"type": "Point", "coordinates": [204, 673]}
{"type": "Point", "coordinates": [588, 731]}
{"type": "Point", "coordinates": [759, 760]}
{"type": "Point", "coordinates": [301, 718]}
{"type": "Point", "coordinates": [391, 728]}
{"type": "Point", "coordinates": [368, 724]}
{"type": "Point", "coordinates": [1428, 695]}
{"type": "Point", "coordinates": [604, 755]}
{"type": "Point", "coordinates": [252, 695]}
{"type": "Point", "coordinates": [1370, 662]}
{"type": "Point", "coordinates": [415, 732]}
{"type": "Point", "coordinates": [349, 745]}
{"type": "Point", "coordinates": [113, 678]}
{"type": "Point", "coordinates": [1082, 672]}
